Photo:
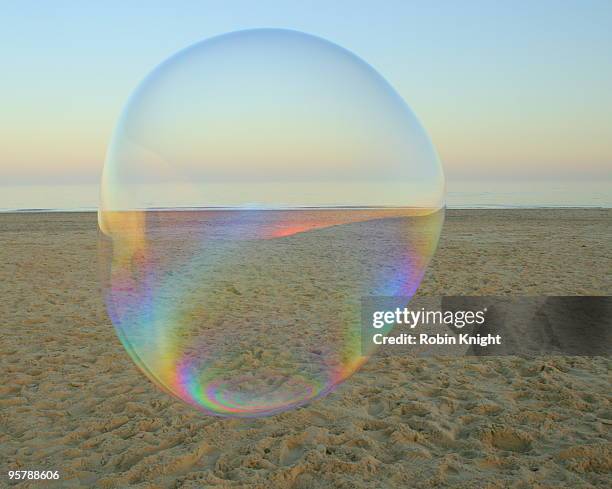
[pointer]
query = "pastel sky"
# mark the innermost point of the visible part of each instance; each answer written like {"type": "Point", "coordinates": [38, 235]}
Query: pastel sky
{"type": "Point", "coordinates": [507, 90]}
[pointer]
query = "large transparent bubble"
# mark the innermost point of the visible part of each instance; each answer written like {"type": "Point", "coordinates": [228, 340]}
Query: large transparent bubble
{"type": "Point", "coordinates": [257, 186]}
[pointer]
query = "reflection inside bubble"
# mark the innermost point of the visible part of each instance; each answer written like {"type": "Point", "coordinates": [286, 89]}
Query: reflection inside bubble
{"type": "Point", "coordinates": [251, 312]}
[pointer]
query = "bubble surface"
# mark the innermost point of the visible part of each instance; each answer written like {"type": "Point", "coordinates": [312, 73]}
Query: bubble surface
{"type": "Point", "coordinates": [258, 185]}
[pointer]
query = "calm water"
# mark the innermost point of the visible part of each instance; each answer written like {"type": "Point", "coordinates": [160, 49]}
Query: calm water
{"type": "Point", "coordinates": [529, 194]}
{"type": "Point", "coordinates": [460, 195]}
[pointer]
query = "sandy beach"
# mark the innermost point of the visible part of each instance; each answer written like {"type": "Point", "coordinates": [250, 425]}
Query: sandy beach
{"type": "Point", "coordinates": [73, 401]}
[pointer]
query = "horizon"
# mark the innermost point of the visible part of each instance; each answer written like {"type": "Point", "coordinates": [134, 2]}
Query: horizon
{"type": "Point", "coordinates": [459, 195]}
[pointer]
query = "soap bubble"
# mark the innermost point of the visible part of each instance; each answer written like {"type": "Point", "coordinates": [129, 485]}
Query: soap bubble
{"type": "Point", "coordinates": [258, 185]}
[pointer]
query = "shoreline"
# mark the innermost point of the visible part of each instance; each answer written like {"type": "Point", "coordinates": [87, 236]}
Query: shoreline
{"type": "Point", "coordinates": [192, 209]}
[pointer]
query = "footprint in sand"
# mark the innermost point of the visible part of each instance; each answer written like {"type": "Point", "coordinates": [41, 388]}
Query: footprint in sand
{"type": "Point", "coordinates": [508, 439]}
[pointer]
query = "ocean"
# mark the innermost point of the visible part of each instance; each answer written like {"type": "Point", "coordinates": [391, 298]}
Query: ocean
{"type": "Point", "coordinates": [460, 195]}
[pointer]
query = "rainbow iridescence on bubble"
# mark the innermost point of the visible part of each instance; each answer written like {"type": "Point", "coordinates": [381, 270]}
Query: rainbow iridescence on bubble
{"type": "Point", "coordinates": [258, 185]}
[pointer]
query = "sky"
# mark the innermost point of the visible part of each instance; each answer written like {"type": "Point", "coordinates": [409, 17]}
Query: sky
{"type": "Point", "coordinates": [507, 91]}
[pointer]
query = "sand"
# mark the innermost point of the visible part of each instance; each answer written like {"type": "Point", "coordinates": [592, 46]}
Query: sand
{"type": "Point", "coordinates": [73, 401]}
